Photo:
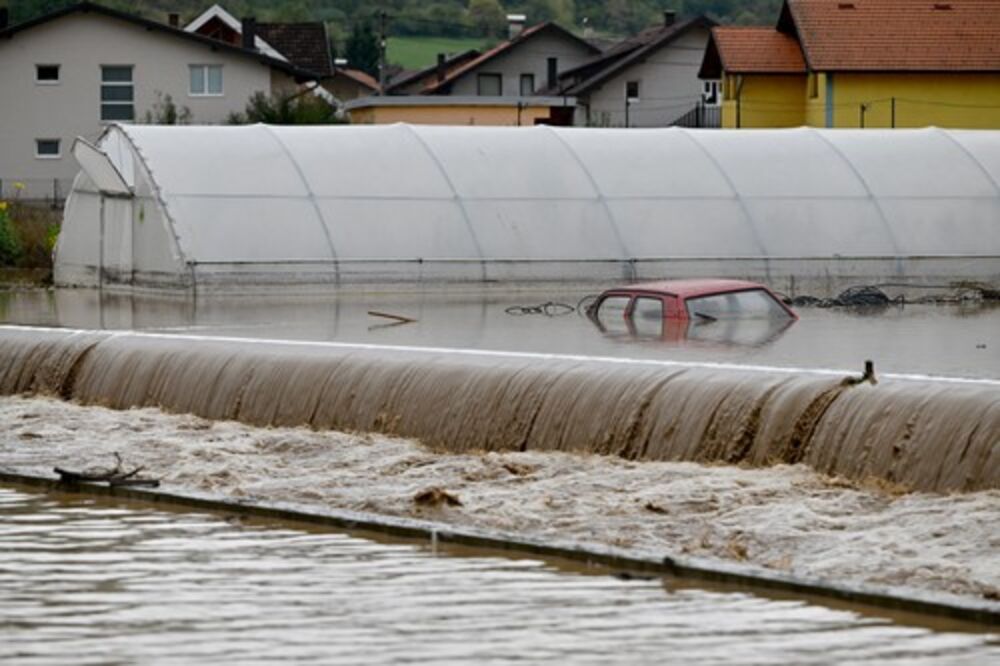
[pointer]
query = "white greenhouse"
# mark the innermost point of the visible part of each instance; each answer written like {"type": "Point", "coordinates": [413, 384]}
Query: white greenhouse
{"type": "Point", "coordinates": [803, 209]}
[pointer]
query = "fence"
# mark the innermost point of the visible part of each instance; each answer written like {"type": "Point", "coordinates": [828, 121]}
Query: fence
{"type": "Point", "coordinates": [52, 191]}
{"type": "Point", "coordinates": [702, 115]}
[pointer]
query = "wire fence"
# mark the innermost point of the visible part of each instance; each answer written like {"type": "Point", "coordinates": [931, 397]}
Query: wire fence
{"type": "Point", "coordinates": [36, 190]}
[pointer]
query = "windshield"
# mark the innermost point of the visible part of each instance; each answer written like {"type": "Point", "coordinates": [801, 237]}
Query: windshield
{"type": "Point", "coordinates": [750, 304]}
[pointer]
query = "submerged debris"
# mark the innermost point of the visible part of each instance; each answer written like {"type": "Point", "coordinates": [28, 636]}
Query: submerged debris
{"type": "Point", "coordinates": [114, 477]}
{"type": "Point", "coordinates": [867, 376]}
{"type": "Point", "coordinates": [435, 496]}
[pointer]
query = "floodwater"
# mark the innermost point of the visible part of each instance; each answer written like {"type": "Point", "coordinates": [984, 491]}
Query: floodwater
{"type": "Point", "coordinates": [85, 581]}
{"type": "Point", "coordinates": [950, 340]}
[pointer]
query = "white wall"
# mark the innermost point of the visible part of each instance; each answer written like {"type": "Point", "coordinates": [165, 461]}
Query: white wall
{"type": "Point", "coordinates": [80, 44]}
{"type": "Point", "coordinates": [668, 87]}
{"type": "Point", "coordinates": [529, 57]}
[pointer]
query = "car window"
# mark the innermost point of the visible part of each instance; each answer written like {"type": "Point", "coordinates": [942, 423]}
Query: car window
{"type": "Point", "coordinates": [611, 313]}
{"type": "Point", "coordinates": [751, 304]}
{"type": "Point", "coordinates": [647, 316]}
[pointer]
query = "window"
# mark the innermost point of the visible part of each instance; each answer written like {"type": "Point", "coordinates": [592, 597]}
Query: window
{"type": "Point", "coordinates": [710, 93]}
{"type": "Point", "coordinates": [813, 85]}
{"type": "Point", "coordinates": [489, 84]}
{"type": "Point", "coordinates": [527, 84]}
{"type": "Point", "coordinates": [751, 304]}
{"type": "Point", "coordinates": [632, 91]}
{"type": "Point", "coordinates": [205, 79]}
{"type": "Point", "coordinates": [117, 93]}
{"type": "Point", "coordinates": [47, 74]}
{"type": "Point", "coordinates": [611, 314]}
{"type": "Point", "coordinates": [647, 316]}
{"type": "Point", "coordinates": [47, 149]}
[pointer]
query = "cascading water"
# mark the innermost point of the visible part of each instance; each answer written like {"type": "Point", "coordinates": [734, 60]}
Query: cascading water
{"type": "Point", "coordinates": [925, 435]}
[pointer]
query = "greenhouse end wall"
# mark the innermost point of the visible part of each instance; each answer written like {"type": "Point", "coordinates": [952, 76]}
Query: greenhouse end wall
{"type": "Point", "coordinates": [803, 209]}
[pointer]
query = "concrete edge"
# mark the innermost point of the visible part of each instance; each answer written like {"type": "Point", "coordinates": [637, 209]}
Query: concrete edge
{"type": "Point", "coordinates": [716, 571]}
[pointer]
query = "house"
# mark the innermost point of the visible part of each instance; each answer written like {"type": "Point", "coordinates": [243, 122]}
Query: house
{"type": "Point", "coordinates": [501, 86]}
{"type": "Point", "coordinates": [414, 83]}
{"type": "Point", "coordinates": [304, 44]}
{"type": "Point", "coordinates": [863, 63]}
{"type": "Point", "coordinates": [648, 80]}
{"type": "Point", "coordinates": [461, 110]}
{"type": "Point", "coordinates": [71, 72]}
{"type": "Point", "coordinates": [527, 62]}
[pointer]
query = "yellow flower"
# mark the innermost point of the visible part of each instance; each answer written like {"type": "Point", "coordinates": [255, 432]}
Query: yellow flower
{"type": "Point", "coordinates": [18, 185]}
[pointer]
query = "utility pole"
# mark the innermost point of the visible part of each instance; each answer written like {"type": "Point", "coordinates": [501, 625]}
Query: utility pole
{"type": "Point", "coordinates": [381, 50]}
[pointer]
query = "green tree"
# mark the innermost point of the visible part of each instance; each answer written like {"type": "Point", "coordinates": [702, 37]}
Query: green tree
{"type": "Point", "coordinates": [362, 49]}
{"type": "Point", "coordinates": [166, 112]}
{"type": "Point", "coordinates": [487, 17]}
{"type": "Point", "coordinates": [302, 108]}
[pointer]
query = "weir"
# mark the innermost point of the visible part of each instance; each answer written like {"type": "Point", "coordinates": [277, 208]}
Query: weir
{"type": "Point", "coordinates": [922, 434]}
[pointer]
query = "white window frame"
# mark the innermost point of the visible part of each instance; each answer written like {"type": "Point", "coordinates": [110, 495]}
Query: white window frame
{"type": "Point", "coordinates": [48, 82]}
{"type": "Point", "coordinates": [49, 156]}
{"type": "Point", "coordinates": [130, 83]}
{"type": "Point", "coordinates": [205, 67]}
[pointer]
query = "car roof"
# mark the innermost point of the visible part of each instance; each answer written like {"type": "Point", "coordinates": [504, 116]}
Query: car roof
{"type": "Point", "coordinates": [692, 288]}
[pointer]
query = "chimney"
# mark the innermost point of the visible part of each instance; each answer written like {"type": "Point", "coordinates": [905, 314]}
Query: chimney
{"type": "Point", "coordinates": [174, 20]}
{"type": "Point", "coordinates": [441, 69]}
{"type": "Point", "coordinates": [669, 16]}
{"type": "Point", "coordinates": [553, 73]}
{"type": "Point", "coordinates": [4, 18]}
{"type": "Point", "coordinates": [515, 24]}
{"type": "Point", "coordinates": [249, 30]}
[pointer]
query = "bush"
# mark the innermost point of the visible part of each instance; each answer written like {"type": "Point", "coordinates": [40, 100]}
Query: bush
{"type": "Point", "coordinates": [10, 242]}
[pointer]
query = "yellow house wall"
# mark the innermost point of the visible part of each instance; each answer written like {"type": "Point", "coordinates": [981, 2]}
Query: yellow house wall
{"type": "Point", "coordinates": [946, 100]}
{"type": "Point", "coordinates": [448, 115]}
{"type": "Point", "coordinates": [765, 100]}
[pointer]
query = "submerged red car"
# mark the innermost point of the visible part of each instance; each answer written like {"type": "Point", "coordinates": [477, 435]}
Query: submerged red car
{"type": "Point", "coordinates": [669, 308]}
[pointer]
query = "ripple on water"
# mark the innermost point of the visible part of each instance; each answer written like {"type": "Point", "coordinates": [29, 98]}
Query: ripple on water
{"type": "Point", "coordinates": [83, 582]}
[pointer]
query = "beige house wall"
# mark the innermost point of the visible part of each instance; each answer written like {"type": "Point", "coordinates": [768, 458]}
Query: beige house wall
{"type": "Point", "coordinates": [458, 114]}
{"type": "Point", "coordinates": [80, 44]}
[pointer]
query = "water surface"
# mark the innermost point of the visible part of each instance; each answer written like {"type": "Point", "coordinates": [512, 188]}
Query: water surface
{"type": "Point", "coordinates": [86, 581]}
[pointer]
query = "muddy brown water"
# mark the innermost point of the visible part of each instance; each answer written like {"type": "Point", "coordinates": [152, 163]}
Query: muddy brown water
{"type": "Point", "coordinates": [94, 581]}
{"type": "Point", "coordinates": [920, 434]}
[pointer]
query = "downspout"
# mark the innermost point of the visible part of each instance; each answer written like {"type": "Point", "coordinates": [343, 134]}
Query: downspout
{"type": "Point", "coordinates": [739, 100]}
{"type": "Point", "coordinates": [829, 100]}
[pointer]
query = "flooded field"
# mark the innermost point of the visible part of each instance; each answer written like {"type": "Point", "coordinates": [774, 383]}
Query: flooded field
{"type": "Point", "coordinates": [951, 340]}
{"type": "Point", "coordinates": [95, 582]}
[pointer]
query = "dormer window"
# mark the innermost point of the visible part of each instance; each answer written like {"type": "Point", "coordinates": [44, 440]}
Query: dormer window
{"type": "Point", "coordinates": [47, 74]}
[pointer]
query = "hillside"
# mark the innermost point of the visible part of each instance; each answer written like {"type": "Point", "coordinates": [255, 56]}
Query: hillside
{"type": "Point", "coordinates": [442, 18]}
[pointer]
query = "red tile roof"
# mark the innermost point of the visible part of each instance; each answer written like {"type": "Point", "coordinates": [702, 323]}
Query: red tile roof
{"type": "Point", "coordinates": [898, 35]}
{"type": "Point", "coordinates": [745, 50]}
{"type": "Point", "coordinates": [358, 76]}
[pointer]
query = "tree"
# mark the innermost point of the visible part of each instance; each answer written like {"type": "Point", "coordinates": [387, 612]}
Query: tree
{"type": "Point", "coordinates": [487, 16]}
{"type": "Point", "coordinates": [165, 112]}
{"type": "Point", "coordinates": [362, 48]}
{"type": "Point", "coordinates": [301, 108]}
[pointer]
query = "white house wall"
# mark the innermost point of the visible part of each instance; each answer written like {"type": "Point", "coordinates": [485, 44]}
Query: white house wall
{"type": "Point", "coordinates": [80, 43]}
{"type": "Point", "coordinates": [530, 57]}
{"type": "Point", "coordinates": [669, 87]}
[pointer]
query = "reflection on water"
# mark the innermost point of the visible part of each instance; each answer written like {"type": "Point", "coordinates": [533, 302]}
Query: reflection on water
{"type": "Point", "coordinates": [87, 581]}
{"type": "Point", "coordinates": [933, 339]}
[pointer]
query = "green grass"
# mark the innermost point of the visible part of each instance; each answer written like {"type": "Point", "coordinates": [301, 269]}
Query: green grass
{"type": "Point", "coordinates": [420, 52]}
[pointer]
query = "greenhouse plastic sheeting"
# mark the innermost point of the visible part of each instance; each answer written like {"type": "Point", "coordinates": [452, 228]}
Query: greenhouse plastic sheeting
{"type": "Point", "coordinates": [408, 203]}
